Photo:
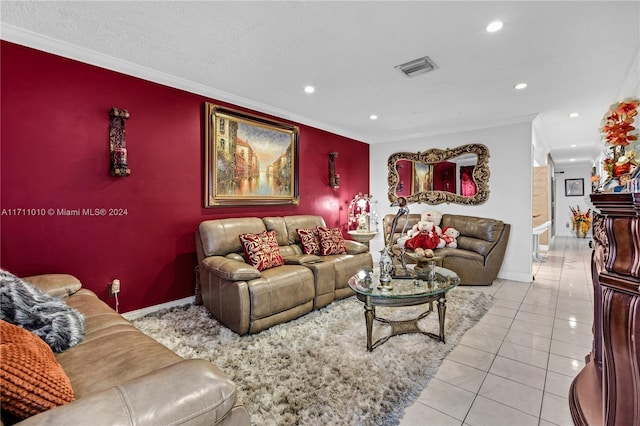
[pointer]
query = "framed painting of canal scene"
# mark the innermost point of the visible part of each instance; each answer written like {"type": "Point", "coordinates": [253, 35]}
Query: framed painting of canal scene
{"type": "Point", "coordinates": [249, 160]}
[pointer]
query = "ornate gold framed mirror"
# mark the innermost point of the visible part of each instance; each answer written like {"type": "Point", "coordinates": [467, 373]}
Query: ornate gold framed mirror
{"type": "Point", "coordinates": [459, 175]}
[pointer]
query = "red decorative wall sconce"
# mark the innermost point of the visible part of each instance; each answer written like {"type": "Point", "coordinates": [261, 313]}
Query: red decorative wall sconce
{"type": "Point", "coordinates": [117, 142]}
{"type": "Point", "coordinates": [334, 179]}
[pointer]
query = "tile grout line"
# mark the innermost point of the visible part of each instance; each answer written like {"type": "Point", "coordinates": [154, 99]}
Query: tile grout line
{"type": "Point", "coordinates": [546, 374]}
{"type": "Point", "coordinates": [493, 361]}
{"type": "Point", "coordinates": [571, 284]}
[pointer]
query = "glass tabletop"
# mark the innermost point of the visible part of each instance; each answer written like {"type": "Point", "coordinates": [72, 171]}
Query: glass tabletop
{"type": "Point", "coordinates": [367, 282]}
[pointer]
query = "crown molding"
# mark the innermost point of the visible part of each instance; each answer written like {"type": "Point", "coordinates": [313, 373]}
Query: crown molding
{"type": "Point", "coordinates": [21, 36]}
{"type": "Point", "coordinates": [465, 128]}
{"type": "Point", "coordinates": [37, 41]}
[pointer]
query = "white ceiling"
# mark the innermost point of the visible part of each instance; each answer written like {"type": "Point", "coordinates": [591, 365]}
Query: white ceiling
{"type": "Point", "coordinates": [574, 55]}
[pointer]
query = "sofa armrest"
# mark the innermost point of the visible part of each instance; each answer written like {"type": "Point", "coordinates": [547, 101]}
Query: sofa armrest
{"type": "Point", "coordinates": [301, 259]}
{"type": "Point", "coordinates": [493, 260]}
{"type": "Point", "coordinates": [191, 392]}
{"type": "Point", "coordinates": [354, 247]}
{"type": "Point", "coordinates": [56, 285]}
{"type": "Point", "coordinates": [229, 269]}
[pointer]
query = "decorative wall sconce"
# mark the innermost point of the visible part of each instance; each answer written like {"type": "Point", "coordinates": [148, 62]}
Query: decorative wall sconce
{"type": "Point", "coordinates": [334, 179]}
{"type": "Point", "coordinates": [117, 142]}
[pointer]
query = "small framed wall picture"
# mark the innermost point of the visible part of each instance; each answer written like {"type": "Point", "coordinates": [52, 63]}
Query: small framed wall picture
{"type": "Point", "coordinates": [574, 187]}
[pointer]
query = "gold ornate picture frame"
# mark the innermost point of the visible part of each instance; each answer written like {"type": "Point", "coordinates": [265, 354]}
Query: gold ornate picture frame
{"type": "Point", "coordinates": [249, 160]}
{"type": "Point", "coordinates": [433, 157]}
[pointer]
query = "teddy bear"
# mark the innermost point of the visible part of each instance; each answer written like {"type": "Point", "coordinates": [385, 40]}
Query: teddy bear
{"type": "Point", "coordinates": [432, 216]}
{"type": "Point", "coordinates": [436, 218]}
{"type": "Point", "coordinates": [426, 239]}
{"type": "Point", "coordinates": [441, 241]}
{"type": "Point", "coordinates": [410, 234]}
{"type": "Point", "coordinates": [449, 235]}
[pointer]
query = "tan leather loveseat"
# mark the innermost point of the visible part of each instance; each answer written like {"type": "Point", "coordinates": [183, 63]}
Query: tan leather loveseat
{"type": "Point", "coordinates": [481, 246]}
{"type": "Point", "coordinates": [248, 300]}
{"type": "Point", "coordinates": [120, 376]}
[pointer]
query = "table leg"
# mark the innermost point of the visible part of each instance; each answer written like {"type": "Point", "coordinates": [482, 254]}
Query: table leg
{"type": "Point", "coordinates": [369, 314]}
{"type": "Point", "coordinates": [442, 309]}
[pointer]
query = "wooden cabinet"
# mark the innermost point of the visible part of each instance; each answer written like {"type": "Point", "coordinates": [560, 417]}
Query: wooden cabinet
{"type": "Point", "coordinates": [607, 390]}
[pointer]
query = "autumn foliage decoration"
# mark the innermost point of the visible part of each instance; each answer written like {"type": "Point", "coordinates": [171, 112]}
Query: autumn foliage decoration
{"type": "Point", "coordinates": [618, 133]}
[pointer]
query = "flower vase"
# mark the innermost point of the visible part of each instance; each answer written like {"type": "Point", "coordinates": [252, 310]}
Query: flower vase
{"type": "Point", "coordinates": [580, 232]}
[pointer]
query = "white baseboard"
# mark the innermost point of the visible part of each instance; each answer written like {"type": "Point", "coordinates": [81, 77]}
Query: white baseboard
{"type": "Point", "coordinates": [139, 313]}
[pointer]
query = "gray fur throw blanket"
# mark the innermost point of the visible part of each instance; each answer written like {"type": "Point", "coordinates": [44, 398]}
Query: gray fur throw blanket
{"type": "Point", "coordinates": [49, 318]}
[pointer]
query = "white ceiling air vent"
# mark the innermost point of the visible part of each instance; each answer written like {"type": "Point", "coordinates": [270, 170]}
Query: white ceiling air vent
{"type": "Point", "coordinates": [417, 67]}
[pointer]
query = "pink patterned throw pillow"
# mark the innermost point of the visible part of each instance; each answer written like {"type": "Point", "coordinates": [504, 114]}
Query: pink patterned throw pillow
{"type": "Point", "coordinates": [262, 250]}
{"type": "Point", "coordinates": [331, 241]}
{"type": "Point", "coordinates": [309, 240]}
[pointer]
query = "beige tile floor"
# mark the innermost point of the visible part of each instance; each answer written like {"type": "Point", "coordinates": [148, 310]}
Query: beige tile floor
{"type": "Point", "coordinates": [516, 365]}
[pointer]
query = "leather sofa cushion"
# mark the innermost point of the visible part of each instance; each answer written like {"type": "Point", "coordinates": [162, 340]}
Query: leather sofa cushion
{"type": "Point", "coordinates": [276, 223]}
{"type": "Point", "coordinates": [119, 351]}
{"type": "Point", "coordinates": [290, 251]}
{"type": "Point", "coordinates": [300, 259]}
{"type": "Point", "coordinates": [354, 247]}
{"type": "Point", "coordinates": [56, 285]}
{"type": "Point", "coordinates": [220, 237]}
{"type": "Point", "coordinates": [279, 289]}
{"type": "Point", "coordinates": [301, 222]}
{"type": "Point", "coordinates": [476, 227]}
{"type": "Point", "coordinates": [347, 266]}
{"type": "Point", "coordinates": [236, 256]}
{"type": "Point", "coordinates": [479, 246]}
{"type": "Point", "coordinates": [461, 253]}
{"type": "Point", "coordinates": [98, 316]}
{"type": "Point", "coordinates": [230, 269]}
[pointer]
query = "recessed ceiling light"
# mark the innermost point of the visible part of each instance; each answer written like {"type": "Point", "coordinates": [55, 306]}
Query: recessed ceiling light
{"type": "Point", "coordinates": [309, 89]}
{"type": "Point", "coordinates": [573, 159]}
{"type": "Point", "coordinates": [494, 26]}
{"type": "Point", "coordinates": [574, 115]}
{"type": "Point", "coordinates": [520, 86]}
{"type": "Point", "coordinates": [373, 117]}
{"type": "Point", "coordinates": [573, 145]}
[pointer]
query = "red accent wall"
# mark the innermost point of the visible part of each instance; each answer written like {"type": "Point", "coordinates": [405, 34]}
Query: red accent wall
{"type": "Point", "coordinates": [54, 152]}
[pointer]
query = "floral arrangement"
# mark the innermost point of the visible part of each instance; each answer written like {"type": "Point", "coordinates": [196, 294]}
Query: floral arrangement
{"type": "Point", "coordinates": [618, 133]}
{"type": "Point", "coordinates": [617, 127]}
{"type": "Point", "coordinates": [580, 221]}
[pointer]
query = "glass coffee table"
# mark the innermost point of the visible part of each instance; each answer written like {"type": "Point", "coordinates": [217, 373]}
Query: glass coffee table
{"type": "Point", "coordinates": [403, 292]}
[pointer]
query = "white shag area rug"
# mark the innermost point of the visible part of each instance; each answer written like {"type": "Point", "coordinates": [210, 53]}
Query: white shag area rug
{"type": "Point", "coordinates": [315, 370]}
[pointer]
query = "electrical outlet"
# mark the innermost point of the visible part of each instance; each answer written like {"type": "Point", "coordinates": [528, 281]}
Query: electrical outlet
{"type": "Point", "coordinates": [114, 288]}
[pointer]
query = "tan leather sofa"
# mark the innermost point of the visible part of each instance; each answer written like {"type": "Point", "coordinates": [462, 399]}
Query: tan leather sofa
{"type": "Point", "coordinates": [247, 300]}
{"type": "Point", "coordinates": [120, 376]}
{"type": "Point", "coordinates": [481, 245]}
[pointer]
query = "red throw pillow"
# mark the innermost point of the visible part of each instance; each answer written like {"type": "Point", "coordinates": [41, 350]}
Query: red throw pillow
{"type": "Point", "coordinates": [262, 250]}
{"type": "Point", "coordinates": [31, 379]}
{"type": "Point", "coordinates": [309, 240]}
{"type": "Point", "coordinates": [331, 241]}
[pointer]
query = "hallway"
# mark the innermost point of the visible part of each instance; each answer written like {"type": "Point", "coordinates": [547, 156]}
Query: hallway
{"type": "Point", "coordinates": [516, 365]}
